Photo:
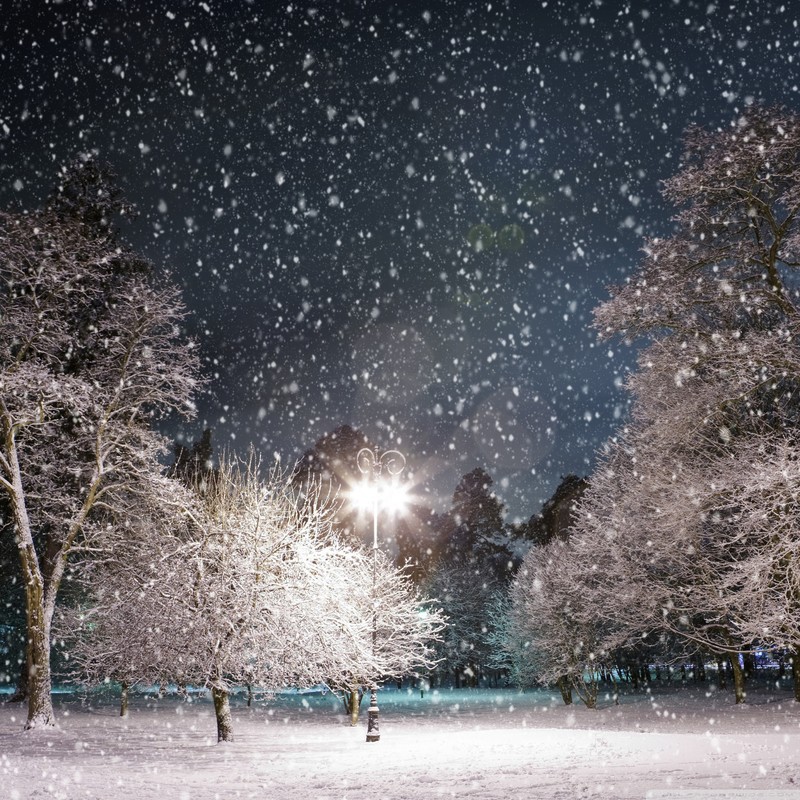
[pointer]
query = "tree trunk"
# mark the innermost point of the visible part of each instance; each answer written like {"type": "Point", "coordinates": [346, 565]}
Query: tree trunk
{"type": "Point", "coordinates": [39, 606]}
{"type": "Point", "coordinates": [587, 690]}
{"type": "Point", "coordinates": [634, 676]}
{"type": "Point", "coordinates": [222, 710]}
{"type": "Point", "coordinates": [738, 678]}
{"type": "Point", "coordinates": [699, 668]}
{"type": "Point", "coordinates": [123, 699]}
{"type": "Point", "coordinates": [40, 702]}
{"type": "Point", "coordinates": [565, 688]}
{"type": "Point", "coordinates": [795, 659]}
{"type": "Point", "coordinates": [353, 697]}
{"type": "Point", "coordinates": [614, 685]}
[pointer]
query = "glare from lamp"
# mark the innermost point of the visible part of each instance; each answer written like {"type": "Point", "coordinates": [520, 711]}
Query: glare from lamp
{"type": "Point", "coordinates": [391, 497]}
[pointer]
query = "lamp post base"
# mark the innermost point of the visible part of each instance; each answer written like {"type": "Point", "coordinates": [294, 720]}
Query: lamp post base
{"type": "Point", "coordinates": [373, 732]}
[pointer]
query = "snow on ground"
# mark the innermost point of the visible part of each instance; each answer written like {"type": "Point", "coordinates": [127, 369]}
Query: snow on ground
{"type": "Point", "coordinates": [672, 743]}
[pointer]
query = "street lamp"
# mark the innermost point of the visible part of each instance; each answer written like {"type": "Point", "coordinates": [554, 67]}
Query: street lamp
{"type": "Point", "coordinates": [372, 462]}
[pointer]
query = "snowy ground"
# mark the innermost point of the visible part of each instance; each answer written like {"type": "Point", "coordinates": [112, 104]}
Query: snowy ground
{"type": "Point", "coordinates": [484, 744]}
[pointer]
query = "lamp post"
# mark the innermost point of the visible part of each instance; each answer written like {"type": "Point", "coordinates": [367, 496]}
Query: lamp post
{"type": "Point", "coordinates": [372, 462]}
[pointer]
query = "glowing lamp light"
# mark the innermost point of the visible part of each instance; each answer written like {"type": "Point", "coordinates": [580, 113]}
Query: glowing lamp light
{"type": "Point", "coordinates": [393, 498]}
{"type": "Point", "coordinates": [390, 497]}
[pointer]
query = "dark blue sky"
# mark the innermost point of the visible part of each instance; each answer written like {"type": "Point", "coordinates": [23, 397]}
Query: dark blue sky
{"type": "Point", "coordinates": [397, 216]}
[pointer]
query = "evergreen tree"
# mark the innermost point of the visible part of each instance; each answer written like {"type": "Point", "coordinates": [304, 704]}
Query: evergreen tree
{"type": "Point", "coordinates": [558, 513]}
{"type": "Point", "coordinates": [332, 462]}
{"type": "Point", "coordinates": [472, 564]}
{"type": "Point", "coordinates": [476, 534]}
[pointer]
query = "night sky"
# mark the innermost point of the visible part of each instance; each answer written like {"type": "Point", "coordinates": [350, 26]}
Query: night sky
{"type": "Point", "coordinates": [393, 215]}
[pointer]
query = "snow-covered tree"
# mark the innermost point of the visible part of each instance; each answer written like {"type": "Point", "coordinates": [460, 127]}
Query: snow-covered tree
{"type": "Point", "coordinates": [695, 524]}
{"type": "Point", "coordinates": [90, 354]}
{"type": "Point", "coordinates": [114, 628]}
{"type": "Point", "coordinates": [554, 635]}
{"type": "Point", "coordinates": [466, 595]}
{"type": "Point", "coordinates": [725, 268]}
{"type": "Point", "coordinates": [645, 529]}
{"type": "Point", "coordinates": [250, 587]}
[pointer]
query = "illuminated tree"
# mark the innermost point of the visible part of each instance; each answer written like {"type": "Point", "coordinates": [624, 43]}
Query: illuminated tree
{"type": "Point", "coordinates": [246, 585]}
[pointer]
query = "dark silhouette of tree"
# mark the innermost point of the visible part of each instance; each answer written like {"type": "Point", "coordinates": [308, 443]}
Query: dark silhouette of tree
{"type": "Point", "coordinates": [194, 465]}
{"type": "Point", "coordinates": [12, 609]}
{"type": "Point", "coordinates": [333, 457]}
{"type": "Point", "coordinates": [472, 565]}
{"type": "Point", "coordinates": [557, 514]}
{"type": "Point", "coordinates": [333, 462]}
{"type": "Point", "coordinates": [88, 192]}
{"type": "Point", "coordinates": [476, 534]}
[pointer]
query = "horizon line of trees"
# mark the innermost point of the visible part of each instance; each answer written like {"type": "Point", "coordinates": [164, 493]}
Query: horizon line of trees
{"type": "Point", "coordinates": [681, 547]}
